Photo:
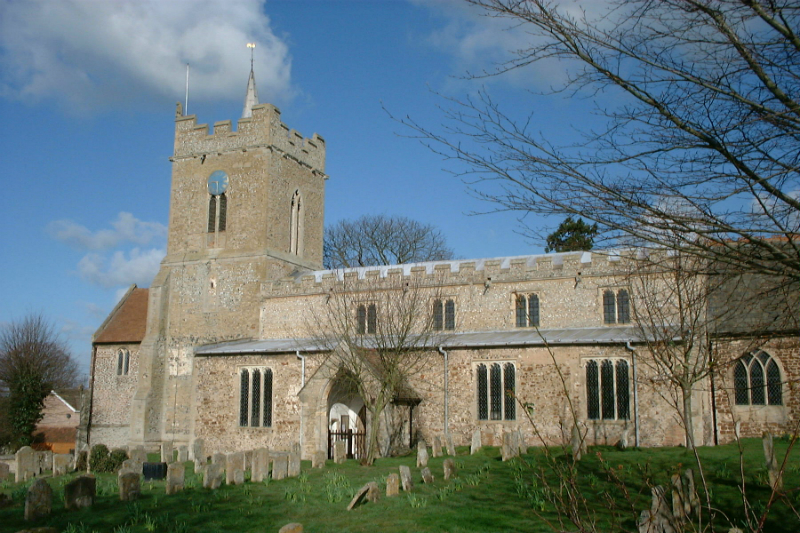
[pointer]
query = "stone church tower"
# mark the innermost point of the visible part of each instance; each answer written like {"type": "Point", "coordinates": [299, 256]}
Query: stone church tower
{"type": "Point", "coordinates": [246, 208]}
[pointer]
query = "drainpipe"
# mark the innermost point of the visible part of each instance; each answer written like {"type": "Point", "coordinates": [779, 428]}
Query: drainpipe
{"type": "Point", "coordinates": [446, 393]}
{"type": "Point", "coordinates": [302, 385]}
{"type": "Point", "coordinates": [635, 394]}
{"type": "Point", "coordinates": [303, 361]}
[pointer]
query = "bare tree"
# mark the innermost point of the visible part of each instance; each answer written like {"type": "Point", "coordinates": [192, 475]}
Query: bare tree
{"type": "Point", "coordinates": [376, 334]}
{"type": "Point", "coordinates": [33, 361]}
{"type": "Point", "coordinates": [701, 103]}
{"type": "Point", "coordinates": [382, 240]}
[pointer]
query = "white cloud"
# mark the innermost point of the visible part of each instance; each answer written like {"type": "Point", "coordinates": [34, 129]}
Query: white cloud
{"type": "Point", "coordinates": [121, 269]}
{"type": "Point", "coordinates": [126, 228]}
{"type": "Point", "coordinates": [92, 53]}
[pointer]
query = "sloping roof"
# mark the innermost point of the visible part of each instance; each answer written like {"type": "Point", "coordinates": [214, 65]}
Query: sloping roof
{"type": "Point", "coordinates": [522, 337]}
{"type": "Point", "coordinates": [127, 322]}
{"type": "Point", "coordinates": [71, 397]}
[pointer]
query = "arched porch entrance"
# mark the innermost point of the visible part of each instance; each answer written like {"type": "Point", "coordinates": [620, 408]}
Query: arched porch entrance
{"type": "Point", "coordinates": [347, 420]}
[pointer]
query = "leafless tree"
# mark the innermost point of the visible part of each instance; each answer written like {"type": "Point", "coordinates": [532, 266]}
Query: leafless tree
{"type": "Point", "coordinates": [33, 361]}
{"type": "Point", "coordinates": [701, 138]}
{"type": "Point", "coordinates": [375, 335]}
{"type": "Point", "coordinates": [382, 240]}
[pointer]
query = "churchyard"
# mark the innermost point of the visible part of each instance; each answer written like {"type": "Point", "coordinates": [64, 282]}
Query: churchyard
{"type": "Point", "coordinates": [482, 493]}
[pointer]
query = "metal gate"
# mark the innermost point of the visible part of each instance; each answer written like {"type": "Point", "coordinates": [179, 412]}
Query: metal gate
{"type": "Point", "coordinates": [356, 443]}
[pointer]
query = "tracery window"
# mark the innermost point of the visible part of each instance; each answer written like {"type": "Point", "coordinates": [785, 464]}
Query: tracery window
{"type": "Point", "coordinates": [616, 307]}
{"type": "Point", "coordinates": [607, 389]}
{"type": "Point", "coordinates": [496, 392]}
{"type": "Point", "coordinates": [444, 315]}
{"type": "Point", "coordinates": [366, 319]}
{"type": "Point", "coordinates": [255, 397]}
{"type": "Point", "coordinates": [757, 380]}
{"type": "Point", "coordinates": [527, 307]}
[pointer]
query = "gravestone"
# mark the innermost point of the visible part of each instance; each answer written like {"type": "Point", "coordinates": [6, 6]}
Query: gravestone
{"type": "Point", "coordinates": [129, 484]}
{"type": "Point", "coordinates": [183, 454]}
{"type": "Point", "coordinates": [510, 448]}
{"type": "Point", "coordinates": [405, 478]}
{"type": "Point", "coordinates": [521, 443]}
{"type": "Point", "coordinates": [38, 500]}
{"type": "Point", "coordinates": [427, 476]}
{"type": "Point", "coordinates": [213, 476]}
{"type": "Point", "coordinates": [451, 449]}
{"type": "Point", "coordinates": [80, 492]}
{"type": "Point", "coordinates": [25, 468]}
{"type": "Point", "coordinates": [318, 459]}
{"type": "Point", "coordinates": [368, 492]}
{"type": "Point", "coordinates": [62, 462]}
{"type": "Point", "coordinates": [4, 471]}
{"type": "Point", "coordinates": [392, 485]}
{"type": "Point", "coordinates": [658, 519]}
{"type": "Point", "coordinates": [238, 477]}
{"type": "Point", "coordinates": [138, 454]}
{"type": "Point", "coordinates": [280, 466]}
{"type": "Point", "coordinates": [294, 465]}
{"type": "Point", "coordinates": [436, 450]}
{"type": "Point", "coordinates": [44, 461]}
{"type": "Point", "coordinates": [130, 465]}
{"type": "Point", "coordinates": [773, 469]}
{"type": "Point", "coordinates": [422, 455]}
{"type": "Point", "coordinates": [234, 461]}
{"type": "Point", "coordinates": [294, 527]}
{"type": "Point", "coordinates": [249, 458]}
{"type": "Point", "coordinates": [198, 454]}
{"type": "Point", "coordinates": [219, 458]}
{"type": "Point", "coordinates": [260, 468]}
{"type": "Point", "coordinates": [339, 452]}
{"type": "Point", "coordinates": [176, 476]}
{"type": "Point", "coordinates": [450, 469]}
{"type": "Point", "coordinates": [166, 452]}
{"type": "Point", "coordinates": [476, 442]}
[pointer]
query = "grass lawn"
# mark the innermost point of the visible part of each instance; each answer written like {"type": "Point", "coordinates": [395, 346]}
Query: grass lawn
{"type": "Point", "coordinates": [489, 495]}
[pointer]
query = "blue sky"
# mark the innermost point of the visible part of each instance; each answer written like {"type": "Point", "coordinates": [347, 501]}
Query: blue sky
{"type": "Point", "coordinates": [87, 101]}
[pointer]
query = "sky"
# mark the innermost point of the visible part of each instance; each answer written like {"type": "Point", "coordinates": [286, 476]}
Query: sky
{"type": "Point", "coordinates": [87, 101]}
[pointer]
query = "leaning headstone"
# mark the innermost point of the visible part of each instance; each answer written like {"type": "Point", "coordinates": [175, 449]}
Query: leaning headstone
{"type": "Point", "coordinates": [280, 466]}
{"type": "Point", "coordinates": [38, 500]}
{"type": "Point", "coordinates": [213, 476]}
{"type": "Point", "coordinates": [129, 484]}
{"type": "Point", "coordinates": [234, 462]}
{"type": "Point", "coordinates": [368, 492]}
{"type": "Point", "coordinates": [183, 454]}
{"type": "Point", "coordinates": [293, 469]}
{"type": "Point", "coordinates": [260, 468]}
{"type": "Point", "coordinates": [62, 462]}
{"type": "Point", "coordinates": [773, 470]}
{"type": "Point", "coordinates": [450, 469]}
{"type": "Point", "coordinates": [80, 492]}
{"type": "Point", "coordinates": [166, 452]}
{"type": "Point", "coordinates": [451, 449]}
{"type": "Point", "coordinates": [25, 468]}
{"type": "Point", "coordinates": [176, 475]}
{"type": "Point", "coordinates": [339, 452]}
{"type": "Point", "coordinates": [392, 485]}
{"type": "Point", "coordinates": [405, 478]}
{"type": "Point", "coordinates": [422, 455]}
{"type": "Point", "coordinates": [318, 459]}
{"type": "Point", "coordinates": [476, 442]}
{"type": "Point", "coordinates": [436, 447]}
{"type": "Point", "coordinates": [294, 527]}
{"type": "Point", "coordinates": [427, 476]}
{"type": "Point", "coordinates": [198, 454]}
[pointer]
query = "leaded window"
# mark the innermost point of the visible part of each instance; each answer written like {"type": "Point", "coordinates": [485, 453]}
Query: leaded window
{"type": "Point", "coordinates": [616, 307]}
{"type": "Point", "coordinates": [757, 380]}
{"type": "Point", "coordinates": [607, 389]}
{"type": "Point", "coordinates": [444, 315]}
{"type": "Point", "coordinates": [527, 310]}
{"type": "Point", "coordinates": [123, 362]}
{"type": "Point", "coordinates": [217, 212]}
{"type": "Point", "coordinates": [623, 307]}
{"type": "Point", "coordinates": [496, 391]}
{"type": "Point", "coordinates": [366, 319]}
{"type": "Point", "coordinates": [609, 308]}
{"type": "Point", "coordinates": [255, 397]}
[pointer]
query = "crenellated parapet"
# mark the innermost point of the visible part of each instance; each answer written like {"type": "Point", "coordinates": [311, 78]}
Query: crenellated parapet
{"type": "Point", "coordinates": [263, 130]}
{"type": "Point", "coordinates": [459, 272]}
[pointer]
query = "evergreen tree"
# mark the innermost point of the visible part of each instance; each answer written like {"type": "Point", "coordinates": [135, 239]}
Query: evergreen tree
{"type": "Point", "coordinates": [572, 236]}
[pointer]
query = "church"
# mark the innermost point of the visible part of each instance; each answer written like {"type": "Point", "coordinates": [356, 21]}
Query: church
{"type": "Point", "coordinates": [226, 344]}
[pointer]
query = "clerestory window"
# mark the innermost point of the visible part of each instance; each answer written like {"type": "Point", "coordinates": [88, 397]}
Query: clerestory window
{"type": "Point", "coordinates": [616, 307]}
{"type": "Point", "coordinates": [444, 315]}
{"type": "Point", "coordinates": [366, 319]}
{"type": "Point", "coordinates": [527, 310]}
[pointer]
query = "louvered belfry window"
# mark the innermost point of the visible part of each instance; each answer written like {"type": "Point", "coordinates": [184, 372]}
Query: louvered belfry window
{"type": "Point", "coordinates": [255, 397]}
{"type": "Point", "coordinates": [496, 389]}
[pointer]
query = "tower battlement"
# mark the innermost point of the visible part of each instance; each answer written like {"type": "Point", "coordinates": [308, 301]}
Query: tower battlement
{"type": "Point", "coordinates": [263, 130]}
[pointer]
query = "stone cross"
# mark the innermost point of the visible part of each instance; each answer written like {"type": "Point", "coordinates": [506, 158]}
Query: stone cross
{"type": "Point", "coordinates": [38, 500]}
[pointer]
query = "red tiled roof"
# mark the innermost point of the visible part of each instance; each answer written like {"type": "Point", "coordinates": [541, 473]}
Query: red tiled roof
{"type": "Point", "coordinates": [127, 322]}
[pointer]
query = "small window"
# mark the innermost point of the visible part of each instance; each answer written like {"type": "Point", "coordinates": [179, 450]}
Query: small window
{"type": "Point", "coordinates": [366, 319]}
{"type": "Point", "coordinates": [444, 315]}
{"type": "Point", "coordinates": [217, 213]}
{"type": "Point", "coordinates": [255, 397]}
{"type": "Point", "coordinates": [609, 308]}
{"type": "Point", "coordinates": [296, 224]}
{"type": "Point", "coordinates": [496, 389]}
{"type": "Point", "coordinates": [123, 362]}
{"type": "Point", "coordinates": [757, 380]}
{"type": "Point", "coordinates": [616, 307]}
{"type": "Point", "coordinates": [607, 389]}
{"type": "Point", "coordinates": [527, 310]}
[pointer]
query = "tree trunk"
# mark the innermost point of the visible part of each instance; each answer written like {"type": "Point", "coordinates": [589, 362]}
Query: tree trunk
{"type": "Point", "coordinates": [688, 422]}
